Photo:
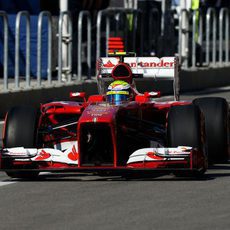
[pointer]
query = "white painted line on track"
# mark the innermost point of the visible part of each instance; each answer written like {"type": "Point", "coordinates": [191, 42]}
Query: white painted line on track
{"type": "Point", "coordinates": [2, 183]}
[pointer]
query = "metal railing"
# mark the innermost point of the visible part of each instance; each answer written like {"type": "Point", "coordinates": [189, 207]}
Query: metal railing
{"type": "Point", "coordinates": [118, 15]}
{"type": "Point", "coordinates": [41, 17]}
{"type": "Point", "coordinates": [130, 4]}
{"type": "Point", "coordinates": [82, 15]}
{"type": "Point", "coordinates": [197, 34]}
{"type": "Point", "coordinates": [26, 15]}
{"type": "Point", "coordinates": [211, 13]}
{"type": "Point", "coordinates": [209, 32]}
{"type": "Point", "coordinates": [5, 50]}
{"type": "Point", "coordinates": [183, 42]}
{"type": "Point", "coordinates": [224, 38]}
{"type": "Point", "coordinates": [205, 36]}
{"type": "Point", "coordinates": [65, 37]}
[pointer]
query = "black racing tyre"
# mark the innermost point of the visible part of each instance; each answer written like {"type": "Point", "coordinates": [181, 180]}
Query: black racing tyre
{"type": "Point", "coordinates": [216, 113]}
{"type": "Point", "coordinates": [21, 131]}
{"type": "Point", "coordinates": [21, 127]}
{"type": "Point", "coordinates": [184, 127]}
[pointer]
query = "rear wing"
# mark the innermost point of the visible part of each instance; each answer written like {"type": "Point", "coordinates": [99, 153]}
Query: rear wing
{"type": "Point", "coordinates": [165, 68]}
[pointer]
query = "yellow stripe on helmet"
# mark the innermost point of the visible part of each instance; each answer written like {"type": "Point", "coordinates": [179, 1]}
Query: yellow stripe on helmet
{"type": "Point", "coordinates": [117, 92]}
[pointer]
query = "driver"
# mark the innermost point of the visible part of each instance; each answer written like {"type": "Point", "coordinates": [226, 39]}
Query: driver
{"type": "Point", "coordinates": [118, 92]}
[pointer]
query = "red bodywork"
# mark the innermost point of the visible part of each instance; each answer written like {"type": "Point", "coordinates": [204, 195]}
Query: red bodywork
{"type": "Point", "coordinates": [107, 134]}
{"type": "Point", "coordinates": [112, 123]}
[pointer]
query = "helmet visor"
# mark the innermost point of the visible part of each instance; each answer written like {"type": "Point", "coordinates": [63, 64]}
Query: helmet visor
{"type": "Point", "coordinates": [117, 98]}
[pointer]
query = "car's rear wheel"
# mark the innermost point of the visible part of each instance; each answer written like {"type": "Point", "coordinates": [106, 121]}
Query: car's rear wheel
{"type": "Point", "coordinates": [186, 128]}
{"type": "Point", "coordinates": [21, 131]}
{"type": "Point", "coordinates": [216, 113]}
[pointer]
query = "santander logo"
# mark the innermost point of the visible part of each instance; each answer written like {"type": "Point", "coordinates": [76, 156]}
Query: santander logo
{"type": "Point", "coordinates": [109, 64]}
{"type": "Point", "coordinates": [143, 62]}
{"type": "Point", "coordinates": [73, 155]}
{"type": "Point", "coordinates": [43, 155]}
{"type": "Point", "coordinates": [161, 64]}
{"type": "Point", "coordinates": [153, 156]}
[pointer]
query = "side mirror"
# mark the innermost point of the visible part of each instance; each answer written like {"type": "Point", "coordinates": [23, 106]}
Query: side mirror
{"type": "Point", "coordinates": [77, 95]}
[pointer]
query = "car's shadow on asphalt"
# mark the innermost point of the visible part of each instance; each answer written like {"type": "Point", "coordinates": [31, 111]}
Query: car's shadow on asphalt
{"type": "Point", "coordinates": [218, 171]}
{"type": "Point", "coordinates": [110, 179]}
{"type": "Point", "coordinates": [214, 172]}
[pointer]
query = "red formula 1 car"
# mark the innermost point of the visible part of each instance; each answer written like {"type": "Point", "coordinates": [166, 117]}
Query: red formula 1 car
{"type": "Point", "coordinates": [120, 130]}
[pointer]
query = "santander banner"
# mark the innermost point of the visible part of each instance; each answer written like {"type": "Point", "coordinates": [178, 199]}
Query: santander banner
{"type": "Point", "coordinates": [155, 67]}
{"type": "Point", "coordinates": [150, 62]}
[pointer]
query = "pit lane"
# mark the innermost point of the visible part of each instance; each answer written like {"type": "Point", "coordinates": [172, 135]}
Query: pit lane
{"type": "Point", "coordinates": [87, 201]}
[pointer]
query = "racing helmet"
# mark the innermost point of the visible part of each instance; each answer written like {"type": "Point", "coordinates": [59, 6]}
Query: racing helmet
{"type": "Point", "coordinates": [118, 92]}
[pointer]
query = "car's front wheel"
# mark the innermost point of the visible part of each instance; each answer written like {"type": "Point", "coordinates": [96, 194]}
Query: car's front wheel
{"type": "Point", "coordinates": [185, 127]}
{"type": "Point", "coordinates": [21, 131]}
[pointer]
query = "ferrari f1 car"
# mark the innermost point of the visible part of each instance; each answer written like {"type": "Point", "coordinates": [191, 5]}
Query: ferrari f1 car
{"type": "Point", "coordinates": [119, 130]}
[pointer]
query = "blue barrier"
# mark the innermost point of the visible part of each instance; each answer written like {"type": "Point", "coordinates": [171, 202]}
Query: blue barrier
{"type": "Point", "coordinates": [22, 52]}
{"type": "Point", "coordinates": [14, 6]}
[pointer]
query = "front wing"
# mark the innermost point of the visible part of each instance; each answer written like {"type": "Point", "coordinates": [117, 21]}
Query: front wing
{"type": "Point", "coordinates": [67, 159]}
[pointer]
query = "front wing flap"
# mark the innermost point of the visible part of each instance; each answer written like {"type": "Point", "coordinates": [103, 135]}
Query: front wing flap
{"type": "Point", "coordinates": [147, 159]}
{"type": "Point", "coordinates": [182, 157]}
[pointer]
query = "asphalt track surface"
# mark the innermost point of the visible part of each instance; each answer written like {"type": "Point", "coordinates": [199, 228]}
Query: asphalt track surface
{"type": "Point", "coordinates": [87, 201]}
